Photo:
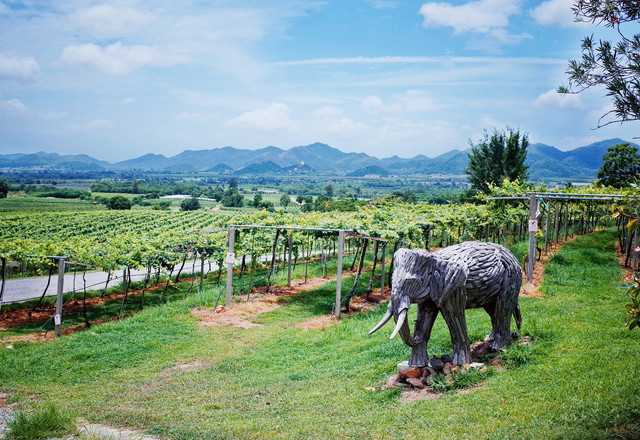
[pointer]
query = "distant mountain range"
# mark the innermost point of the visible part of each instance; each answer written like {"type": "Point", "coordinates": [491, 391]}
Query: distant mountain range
{"type": "Point", "coordinates": [545, 162]}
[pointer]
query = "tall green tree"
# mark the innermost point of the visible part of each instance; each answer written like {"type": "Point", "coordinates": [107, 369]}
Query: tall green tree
{"type": "Point", "coordinates": [620, 166]}
{"type": "Point", "coordinates": [285, 200]}
{"type": "Point", "coordinates": [328, 190]}
{"type": "Point", "coordinates": [4, 189]}
{"type": "Point", "coordinates": [498, 156]}
{"type": "Point", "coordinates": [614, 65]}
{"type": "Point", "coordinates": [190, 204]}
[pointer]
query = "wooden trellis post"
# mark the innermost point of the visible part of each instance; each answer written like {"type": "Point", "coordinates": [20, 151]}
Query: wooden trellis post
{"type": "Point", "coordinates": [340, 249]}
{"type": "Point", "coordinates": [289, 250]}
{"type": "Point", "coordinates": [57, 317]}
{"type": "Point", "coordinates": [231, 258]}
{"type": "Point", "coordinates": [533, 229]}
{"type": "Point", "coordinates": [382, 274]}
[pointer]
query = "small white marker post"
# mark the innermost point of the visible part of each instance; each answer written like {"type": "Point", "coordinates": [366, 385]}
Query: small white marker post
{"type": "Point", "coordinates": [533, 229]}
{"type": "Point", "coordinates": [230, 260]}
{"type": "Point", "coordinates": [57, 318]}
{"type": "Point", "coordinates": [338, 305]}
{"type": "Point", "coordinates": [289, 246]}
{"type": "Point", "coordinates": [382, 275]}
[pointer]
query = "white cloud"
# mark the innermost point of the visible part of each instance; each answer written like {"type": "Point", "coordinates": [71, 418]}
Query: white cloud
{"type": "Point", "coordinates": [109, 20]}
{"type": "Point", "coordinates": [485, 16]}
{"type": "Point", "coordinates": [13, 106]}
{"type": "Point", "coordinates": [117, 58]}
{"type": "Point", "coordinates": [559, 100]}
{"type": "Point", "coordinates": [423, 60]}
{"type": "Point", "coordinates": [18, 68]}
{"type": "Point", "coordinates": [552, 12]}
{"type": "Point", "coordinates": [276, 116]}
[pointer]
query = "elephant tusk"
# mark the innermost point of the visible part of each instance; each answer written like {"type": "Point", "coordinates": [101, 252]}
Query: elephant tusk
{"type": "Point", "coordinates": [387, 316]}
{"type": "Point", "coordinates": [401, 318]}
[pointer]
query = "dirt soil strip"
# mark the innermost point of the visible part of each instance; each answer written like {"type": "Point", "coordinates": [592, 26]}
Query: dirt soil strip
{"type": "Point", "coordinates": [261, 300]}
{"type": "Point", "coordinates": [628, 272]}
{"type": "Point", "coordinates": [533, 289]}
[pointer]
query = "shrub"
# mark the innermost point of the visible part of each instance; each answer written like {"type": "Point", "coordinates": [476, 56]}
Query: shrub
{"type": "Point", "coordinates": [162, 205]}
{"type": "Point", "coordinates": [46, 422]}
{"type": "Point", "coordinates": [191, 204]}
{"type": "Point", "coordinates": [119, 202]}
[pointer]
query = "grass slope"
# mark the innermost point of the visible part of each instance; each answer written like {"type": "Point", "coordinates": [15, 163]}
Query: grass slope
{"type": "Point", "coordinates": [277, 381]}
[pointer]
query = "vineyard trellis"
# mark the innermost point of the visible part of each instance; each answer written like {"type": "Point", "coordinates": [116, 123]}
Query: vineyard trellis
{"type": "Point", "coordinates": [539, 203]}
{"type": "Point", "coordinates": [340, 234]}
{"type": "Point", "coordinates": [156, 243]}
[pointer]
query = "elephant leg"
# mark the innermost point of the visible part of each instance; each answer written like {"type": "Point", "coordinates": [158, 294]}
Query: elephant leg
{"type": "Point", "coordinates": [501, 319]}
{"type": "Point", "coordinates": [426, 317]}
{"type": "Point", "coordinates": [453, 314]}
{"type": "Point", "coordinates": [491, 311]}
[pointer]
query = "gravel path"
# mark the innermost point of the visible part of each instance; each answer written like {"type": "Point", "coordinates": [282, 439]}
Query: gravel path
{"type": "Point", "coordinates": [6, 415]}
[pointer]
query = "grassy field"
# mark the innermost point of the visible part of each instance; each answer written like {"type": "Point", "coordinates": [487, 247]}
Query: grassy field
{"type": "Point", "coordinates": [578, 379]}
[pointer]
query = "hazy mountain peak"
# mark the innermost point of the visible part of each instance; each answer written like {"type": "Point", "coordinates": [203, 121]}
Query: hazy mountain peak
{"type": "Point", "coordinates": [545, 161]}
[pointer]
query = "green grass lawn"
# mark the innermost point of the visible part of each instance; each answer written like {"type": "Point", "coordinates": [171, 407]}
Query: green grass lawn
{"type": "Point", "coordinates": [277, 381]}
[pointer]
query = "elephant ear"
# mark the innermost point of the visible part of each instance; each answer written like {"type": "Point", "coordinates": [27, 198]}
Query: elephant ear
{"type": "Point", "coordinates": [409, 263]}
{"type": "Point", "coordinates": [445, 277]}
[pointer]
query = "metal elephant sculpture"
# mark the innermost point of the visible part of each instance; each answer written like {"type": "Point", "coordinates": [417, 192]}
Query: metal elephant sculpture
{"type": "Point", "coordinates": [472, 274]}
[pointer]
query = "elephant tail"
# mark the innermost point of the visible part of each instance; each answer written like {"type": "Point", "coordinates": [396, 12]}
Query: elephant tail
{"type": "Point", "coordinates": [518, 316]}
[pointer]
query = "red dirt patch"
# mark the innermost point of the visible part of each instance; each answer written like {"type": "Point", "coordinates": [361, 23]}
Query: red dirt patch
{"type": "Point", "coordinates": [533, 290]}
{"type": "Point", "coordinates": [627, 276]}
{"type": "Point", "coordinates": [415, 395]}
{"type": "Point", "coordinates": [185, 367]}
{"type": "Point", "coordinates": [358, 304]}
{"type": "Point", "coordinates": [261, 300]}
{"type": "Point", "coordinates": [48, 335]}
{"type": "Point", "coordinates": [317, 323]}
{"type": "Point", "coordinates": [296, 287]}
{"type": "Point", "coordinates": [364, 303]}
{"type": "Point", "coordinates": [239, 315]}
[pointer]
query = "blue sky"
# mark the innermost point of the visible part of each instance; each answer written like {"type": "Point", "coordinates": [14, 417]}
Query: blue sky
{"type": "Point", "coordinates": [120, 79]}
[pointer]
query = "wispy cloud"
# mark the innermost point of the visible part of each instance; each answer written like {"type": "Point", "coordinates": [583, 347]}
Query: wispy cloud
{"type": "Point", "coordinates": [18, 68]}
{"type": "Point", "coordinates": [14, 106]}
{"type": "Point", "coordinates": [119, 59]}
{"type": "Point", "coordinates": [275, 116]}
{"type": "Point", "coordinates": [110, 20]}
{"type": "Point", "coordinates": [423, 60]}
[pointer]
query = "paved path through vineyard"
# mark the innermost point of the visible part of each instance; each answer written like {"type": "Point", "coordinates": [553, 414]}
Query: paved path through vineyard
{"type": "Point", "coordinates": [23, 289]}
